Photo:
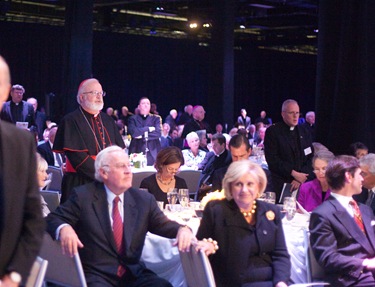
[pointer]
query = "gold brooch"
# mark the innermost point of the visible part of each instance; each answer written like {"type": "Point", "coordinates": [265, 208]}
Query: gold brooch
{"type": "Point", "coordinates": [270, 215]}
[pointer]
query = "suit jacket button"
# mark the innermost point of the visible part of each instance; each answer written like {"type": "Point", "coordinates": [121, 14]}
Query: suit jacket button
{"type": "Point", "coordinates": [265, 232]}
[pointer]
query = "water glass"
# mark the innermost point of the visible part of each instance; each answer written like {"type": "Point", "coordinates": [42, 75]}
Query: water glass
{"type": "Point", "coordinates": [183, 197]}
{"type": "Point", "coordinates": [172, 196]}
{"type": "Point", "coordinates": [270, 197]}
{"type": "Point", "coordinates": [290, 207]}
{"type": "Point", "coordinates": [160, 205]}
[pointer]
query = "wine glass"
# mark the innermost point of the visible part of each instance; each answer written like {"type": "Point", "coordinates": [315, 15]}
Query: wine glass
{"type": "Point", "coordinates": [183, 197]}
{"type": "Point", "coordinates": [172, 195]}
{"type": "Point", "coordinates": [185, 215]}
{"type": "Point", "coordinates": [270, 197]}
{"type": "Point", "coordinates": [290, 207]}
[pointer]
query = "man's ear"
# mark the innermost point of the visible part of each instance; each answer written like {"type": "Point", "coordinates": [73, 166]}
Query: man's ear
{"type": "Point", "coordinates": [348, 177]}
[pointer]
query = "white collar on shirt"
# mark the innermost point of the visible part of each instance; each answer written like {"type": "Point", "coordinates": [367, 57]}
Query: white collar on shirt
{"type": "Point", "coordinates": [110, 197]}
{"type": "Point", "coordinates": [344, 201]}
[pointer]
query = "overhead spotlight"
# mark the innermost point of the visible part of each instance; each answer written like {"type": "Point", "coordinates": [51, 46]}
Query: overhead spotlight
{"type": "Point", "coordinates": [193, 25]}
{"type": "Point", "coordinates": [206, 25]}
{"type": "Point", "coordinates": [316, 30]}
{"type": "Point", "coordinates": [242, 27]}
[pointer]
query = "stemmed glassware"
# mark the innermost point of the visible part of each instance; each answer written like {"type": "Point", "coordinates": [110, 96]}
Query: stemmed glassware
{"type": "Point", "coordinates": [290, 207]}
{"type": "Point", "coordinates": [172, 196]}
{"type": "Point", "coordinates": [183, 197]}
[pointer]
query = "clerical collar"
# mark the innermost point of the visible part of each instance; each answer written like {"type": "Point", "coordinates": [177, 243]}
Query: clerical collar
{"type": "Point", "coordinates": [291, 128]}
{"type": "Point", "coordinates": [218, 155]}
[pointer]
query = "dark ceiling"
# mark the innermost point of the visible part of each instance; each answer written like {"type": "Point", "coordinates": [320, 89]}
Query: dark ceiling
{"type": "Point", "coordinates": [285, 25]}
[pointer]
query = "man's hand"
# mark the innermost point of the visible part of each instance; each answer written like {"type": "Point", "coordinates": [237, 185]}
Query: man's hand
{"type": "Point", "coordinates": [295, 185]}
{"type": "Point", "coordinates": [299, 176]}
{"type": "Point", "coordinates": [281, 284]}
{"type": "Point", "coordinates": [184, 239]}
{"type": "Point", "coordinates": [6, 282]}
{"type": "Point", "coordinates": [69, 241]}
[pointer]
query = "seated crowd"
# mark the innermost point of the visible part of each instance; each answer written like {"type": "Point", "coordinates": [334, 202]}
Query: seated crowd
{"type": "Point", "coordinates": [106, 220]}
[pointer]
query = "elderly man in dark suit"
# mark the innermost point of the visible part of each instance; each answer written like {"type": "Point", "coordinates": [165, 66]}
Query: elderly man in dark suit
{"type": "Point", "coordinates": [17, 110]}
{"type": "Point", "coordinates": [367, 195]}
{"type": "Point", "coordinates": [45, 150]}
{"type": "Point", "coordinates": [288, 150]}
{"type": "Point", "coordinates": [108, 220]}
{"type": "Point", "coordinates": [21, 221]}
{"type": "Point", "coordinates": [341, 232]}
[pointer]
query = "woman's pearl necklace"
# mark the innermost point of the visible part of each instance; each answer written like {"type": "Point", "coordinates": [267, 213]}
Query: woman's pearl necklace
{"type": "Point", "coordinates": [251, 212]}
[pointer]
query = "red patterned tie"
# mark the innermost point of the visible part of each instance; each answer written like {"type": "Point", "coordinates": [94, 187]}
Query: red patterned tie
{"type": "Point", "coordinates": [118, 228]}
{"type": "Point", "coordinates": [357, 215]}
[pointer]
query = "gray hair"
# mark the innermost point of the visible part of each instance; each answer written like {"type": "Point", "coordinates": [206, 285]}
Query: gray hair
{"type": "Point", "coordinates": [368, 160]}
{"type": "Point", "coordinates": [82, 87]}
{"type": "Point", "coordinates": [239, 168]}
{"type": "Point", "coordinates": [191, 135]}
{"type": "Point", "coordinates": [287, 103]}
{"type": "Point", "coordinates": [324, 155]}
{"type": "Point", "coordinates": [101, 160]}
{"type": "Point", "coordinates": [41, 163]}
{"type": "Point", "coordinates": [18, 87]}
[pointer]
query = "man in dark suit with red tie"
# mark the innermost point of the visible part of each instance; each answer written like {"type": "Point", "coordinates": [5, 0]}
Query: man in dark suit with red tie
{"type": "Point", "coordinates": [341, 231]}
{"type": "Point", "coordinates": [108, 221]}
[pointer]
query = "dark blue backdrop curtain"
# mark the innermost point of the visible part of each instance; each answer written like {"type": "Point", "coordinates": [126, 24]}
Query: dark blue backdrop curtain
{"type": "Point", "coordinates": [345, 101]}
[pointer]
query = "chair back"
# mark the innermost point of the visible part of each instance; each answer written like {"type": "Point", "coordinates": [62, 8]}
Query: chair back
{"type": "Point", "coordinates": [139, 176]}
{"type": "Point", "coordinates": [56, 178]}
{"type": "Point", "coordinates": [191, 178]}
{"type": "Point", "coordinates": [62, 269]}
{"type": "Point", "coordinates": [37, 273]}
{"type": "Point", "coordinates": [315, 273]}
{"type": "Point", "coordinates": [52, 198]}
{"type": "Point", "coordinates": [197, 268]}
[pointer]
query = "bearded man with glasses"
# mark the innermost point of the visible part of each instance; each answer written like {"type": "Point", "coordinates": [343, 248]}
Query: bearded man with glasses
{"type": "Point", "coordinates": [82, 134]}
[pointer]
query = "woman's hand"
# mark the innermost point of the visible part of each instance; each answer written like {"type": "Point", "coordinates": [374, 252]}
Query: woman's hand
{"type": "Point", "coordinates": [207, 247]}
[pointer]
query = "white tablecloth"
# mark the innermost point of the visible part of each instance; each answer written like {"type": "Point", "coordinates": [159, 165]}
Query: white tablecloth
{"type": "Point", "coordinates": [161, 257]}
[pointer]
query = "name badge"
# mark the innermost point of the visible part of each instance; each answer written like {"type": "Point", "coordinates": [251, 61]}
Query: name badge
{"type": "Point", "coordinates": [307, 151]}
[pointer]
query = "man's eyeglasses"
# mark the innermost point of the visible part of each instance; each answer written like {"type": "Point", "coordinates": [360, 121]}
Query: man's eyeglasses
{"type": "Point", "coordinates": [292, 113]}
{"type": "Point", "coordinates": [120, 166]}
{"type": "Point", "coordinates": [95, 93]}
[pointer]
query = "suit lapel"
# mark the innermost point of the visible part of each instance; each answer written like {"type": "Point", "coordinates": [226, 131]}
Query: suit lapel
{"type": "Point", "coordinates": [100, 206]}
{"type": "Point", "coordinates": [130, 217]}
{"type": "Point", "coordinates": [349, 224]}
{"type": "Point", "coordinates": [367, 218]}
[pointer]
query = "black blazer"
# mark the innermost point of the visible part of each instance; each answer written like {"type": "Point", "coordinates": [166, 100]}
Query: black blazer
{"type": "Point", "coordinates": [223, 221]}
{"type": "Point", "coordinates": [27, 113]}
{"type": "Point", "coordinates": [46, 152]}
{"type": "Point", "coordinates": [21, 220]}
{"type": "Point", "coordinates": [281, 155]}
{"type": "Point", "coordinates": [339, 245]}
{"type": "Point", "coordinates": [87, 212]}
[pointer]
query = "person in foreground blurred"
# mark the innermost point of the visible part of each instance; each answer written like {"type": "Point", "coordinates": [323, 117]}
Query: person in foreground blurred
{"type": "Point", "coordinates": [313, 193]}
{"type": "Point", "coordinates": [167, 164]}
{"type": "Point", "coordinates": [193, 156]}
{"type": "Point", "coordinates": [341, 231]}
{"type": "Point", "coordinates": [42, 176]}
{"type": "Point", "coordinates": [249, 232]}
{"type": "Point", "coordinates": [82, 134]}
{"type": "Point", "coordinates": [21, 221]}
{"type": "Point", "coordinates": [108, 221]}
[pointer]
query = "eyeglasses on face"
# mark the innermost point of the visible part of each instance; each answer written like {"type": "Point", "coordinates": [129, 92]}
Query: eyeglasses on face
{"type": "Point", "coordinates": [119, 165]}
{"type": "Point", "coordinates": [322, 171]}
{"type": "Point", "coordinates": [95, 93]}
{"type": "Point", "coordinates": [292, 113]}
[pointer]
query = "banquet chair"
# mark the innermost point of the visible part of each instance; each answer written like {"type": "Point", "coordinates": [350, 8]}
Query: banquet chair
{"type": "Point", "coordinates": [197, 268]}
{"type": "Point", "coordinates": [62, 269]}
{"type": "Point", "coordinates": [37, 273]}
{"type": "Point", "coordinates": [315, 272]}
{"type": "Point", "coordinates": [139, 176]}
{"type": "Point", "coordinates": [192, 179]}
{"type": "Point", "coordinates": [56, 178]}
{"type": "Point", "coordinates": [52, 198]}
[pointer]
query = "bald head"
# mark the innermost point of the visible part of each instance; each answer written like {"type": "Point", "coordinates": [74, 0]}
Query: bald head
{"type": "Point", "coordinates": [4, 81]}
